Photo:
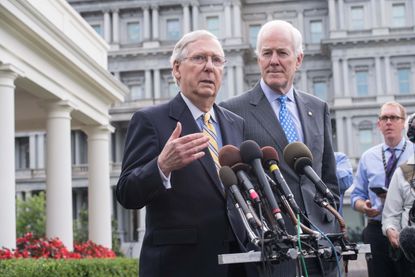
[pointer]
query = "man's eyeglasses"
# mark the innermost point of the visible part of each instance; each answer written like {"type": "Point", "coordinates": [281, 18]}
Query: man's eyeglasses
{"type": "Point", "coordinates": [217, 61]}
{"type": "Point", "coordinates": [392, 118]}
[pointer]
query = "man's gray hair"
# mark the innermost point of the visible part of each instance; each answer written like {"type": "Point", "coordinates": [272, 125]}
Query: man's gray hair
{"type": "Point", "coordinates": [296, 36]}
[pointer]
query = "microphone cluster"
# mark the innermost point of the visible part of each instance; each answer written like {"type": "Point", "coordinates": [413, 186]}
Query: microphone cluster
{"type": "Point", "coordinates": [257, 187]}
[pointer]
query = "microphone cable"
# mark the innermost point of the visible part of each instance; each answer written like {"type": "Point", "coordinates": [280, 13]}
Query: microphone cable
{"type": "Point", "coordinates": [331, 245]}
{"type": "Point", "coordinates": [299, 247]}
{"type": "Point", "coordinates": [266, 266]}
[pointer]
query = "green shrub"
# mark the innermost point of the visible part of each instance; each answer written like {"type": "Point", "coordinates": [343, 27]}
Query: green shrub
{"type": "Point", "coordinates": [68, 267]}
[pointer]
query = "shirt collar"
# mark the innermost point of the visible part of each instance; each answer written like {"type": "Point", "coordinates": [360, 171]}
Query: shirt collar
{"type": "Point", "coordinates": [398, 147]}
{"type": "Point", "coordinates": [196, 112]}
{"type": "Point", "coordinates": [272, 95]}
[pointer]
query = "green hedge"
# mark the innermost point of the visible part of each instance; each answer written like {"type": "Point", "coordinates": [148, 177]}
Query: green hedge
{"type": "Point", "coordinates": [70, 267]}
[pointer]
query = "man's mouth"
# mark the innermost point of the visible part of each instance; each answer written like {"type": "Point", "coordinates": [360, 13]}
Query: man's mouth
{"type": "Point", "coordinates": [207, 82]}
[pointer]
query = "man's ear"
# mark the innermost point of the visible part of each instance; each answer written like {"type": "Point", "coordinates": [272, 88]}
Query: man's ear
{"type": "Point", "coordinates": [176, 70]}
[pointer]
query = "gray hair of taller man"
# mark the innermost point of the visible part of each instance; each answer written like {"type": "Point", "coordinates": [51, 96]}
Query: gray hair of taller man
{"type": "Point", "coordinates": [296, 36]}
{"type": "Point", "coordinates": [180, 49]}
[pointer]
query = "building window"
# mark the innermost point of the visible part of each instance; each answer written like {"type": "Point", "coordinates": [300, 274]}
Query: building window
{"type": "Point", "coordinates": [212, 24]}
{"type": "Point", "coordinates": [316, 31]}
{"type": "Point", "coordinates": [320, 90]}
{"type": "Point", "coordinates": [398, 15]}
{"type": "Point", "coordinates": [253, 34]}
{"type": "Point", "coordinates": [79, 147]}
{"type": "Point", "coordinates": [404, 80]}
{"type": "Point", "coordinates": [365, 135]}
{"type": "Point", "coordinates": [133, 32]}
{"type": "Point", "coordinates": [22, 153]}
{"type": "Point", "coordinates": [97, 28]}
{"type": "Point", "coordinates": [362, 87]}
{"type": "Point", "coordinates": [357, 21]}
{"type": "Point", "coordinates": [136, 92]}
{"type": "Point", "coordinates": [173, 29]}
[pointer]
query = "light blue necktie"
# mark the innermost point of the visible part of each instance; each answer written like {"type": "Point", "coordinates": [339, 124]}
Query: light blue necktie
{"type": "Point", "coordinates": [286, 121]}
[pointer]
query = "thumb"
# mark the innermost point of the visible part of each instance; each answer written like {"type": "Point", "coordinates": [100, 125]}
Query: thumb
{"type": "Point", "coordinates": [368, 203]}
{"type": "Point", "coordinates": [176, 132]}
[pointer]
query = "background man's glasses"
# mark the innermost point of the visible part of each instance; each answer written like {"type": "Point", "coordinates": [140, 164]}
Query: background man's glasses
{"type": "Point", "coordinates": [392, 118]}
{"type": "Point", "coordinates": [217, 61]}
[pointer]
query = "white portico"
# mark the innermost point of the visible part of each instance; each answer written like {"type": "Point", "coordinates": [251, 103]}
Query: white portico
{"type": "Point", "coordinates": [54, 78]}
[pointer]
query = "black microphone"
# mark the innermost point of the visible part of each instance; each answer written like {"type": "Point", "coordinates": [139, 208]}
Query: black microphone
{"type": "Point", "coordinates": [299, 158]}
{"type": "Point", "coordinates": [229, 180]}
{"type": "Point", "coordinates": [407, 243]}
{"type": "Point", "coordinates": [271, 160]}
{"type": "Point", "coordinates": [251, 154]}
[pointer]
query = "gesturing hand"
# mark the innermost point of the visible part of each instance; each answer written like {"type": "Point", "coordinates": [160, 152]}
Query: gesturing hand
{"type": "Point", "coordinates": [180, 151]}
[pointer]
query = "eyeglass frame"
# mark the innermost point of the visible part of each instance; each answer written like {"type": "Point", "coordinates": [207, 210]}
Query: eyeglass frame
{"type": "Point", "coordinates": [204, 59]}
{"type": "Point", "coordinates": [392, 118]}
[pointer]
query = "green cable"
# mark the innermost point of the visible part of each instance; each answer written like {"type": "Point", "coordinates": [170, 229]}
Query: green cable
{"type": "Point", "coordinates": [299, 245]}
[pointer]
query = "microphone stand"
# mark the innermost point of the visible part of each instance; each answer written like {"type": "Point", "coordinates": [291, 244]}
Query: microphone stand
{"type": "Point", "coordinates": [322, 202]}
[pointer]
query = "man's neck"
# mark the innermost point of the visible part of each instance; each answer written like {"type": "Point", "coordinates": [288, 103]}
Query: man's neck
{"type": "Point", "coordinates": [392, 143]}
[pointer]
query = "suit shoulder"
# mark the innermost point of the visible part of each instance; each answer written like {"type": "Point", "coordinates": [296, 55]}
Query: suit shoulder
{"type": "Point", "coordinates": [231, 114]}
{"type": "Point", "coordinates": [237, 102]}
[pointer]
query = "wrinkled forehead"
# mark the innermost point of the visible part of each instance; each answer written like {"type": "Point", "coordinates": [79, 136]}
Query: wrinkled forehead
{"type": "Point", "coordinates": [205, 45]}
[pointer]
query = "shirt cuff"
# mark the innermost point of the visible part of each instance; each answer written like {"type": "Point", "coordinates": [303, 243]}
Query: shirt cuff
{"type": "Point", "coordinates": [165, 179]}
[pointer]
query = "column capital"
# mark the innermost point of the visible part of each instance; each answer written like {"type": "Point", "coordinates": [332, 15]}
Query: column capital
{"type": "Point", "coordinates": [58, 109]}
{"type": "Point", "coordinates": [145, 7]}
{"type": "Point", "coordinates": [236, 2]}
{"type": "Point", "coordinates": [185, 5]}
{"type": "Point", "coordinates": [154, 7]}
{"type": "Point", "coordinates": [115, 10]}
{"type": "Point", "coordinates": [98, 132]}
{"type": "Point", "coordinates": [195, 3]}
{"type": "Point", "coordinates": [9, 72]}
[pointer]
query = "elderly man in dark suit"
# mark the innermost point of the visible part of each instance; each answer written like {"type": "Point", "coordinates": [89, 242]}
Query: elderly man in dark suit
{"type": "Point", "coordinates": [169, 167]}
{"type": "Point", "coordinates": [276, 114]}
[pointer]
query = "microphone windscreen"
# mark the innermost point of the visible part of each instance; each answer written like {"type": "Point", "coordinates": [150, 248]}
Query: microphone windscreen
{"type": "Point", "coordinates": [300, 164]}
{"type": "Point", "coordinates": [296, 150]}
{"type": "Point", "coordinates": [250, 150]}
{"type": "Point", "coordinates": [269, 153]}
{"type": "Point", "coordinates": [229, 155]}
{"type": "Point", "coordinates": [407, 243]}
{"type": "Point", "coordinates": [241, 166]}
{"type": "Point", "coordinates": [227, 176]}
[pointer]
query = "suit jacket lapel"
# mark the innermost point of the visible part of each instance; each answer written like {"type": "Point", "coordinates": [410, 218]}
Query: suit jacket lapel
{"type": "Point", "coordinates": [265, 115]}
{"type": "Point", "coordinates": [307, 118]}
{"type": "Point", "coordinates": [180, 112]}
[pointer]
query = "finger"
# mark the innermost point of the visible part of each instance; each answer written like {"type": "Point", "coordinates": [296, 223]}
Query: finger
{"type": "Point", "coordinates": [176, 132]}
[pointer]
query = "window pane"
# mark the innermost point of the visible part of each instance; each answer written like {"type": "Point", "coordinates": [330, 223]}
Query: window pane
{"type": "Point", "coordinates": [365, 140]}
{"type": "Point", "coordinates": [136, 92]}
{"type": "Point", "coordinates": [398, 15]}
{"type": "Point", "coordinates": [133, 31]}
{"type": "Point", "coordinates": [316, 31]}
{"type": "Point", "coordinates": [97, 29]}
{"type": "Point", "coordinates": [357, 19]}
{"type": "Point", "coordinates": [404, 80]}
{"type": "Point", "coordinates": [22, 153]}
{"type": "Point", "coordinates": [173, 29]}
{"type": "Point", "coordinates": [320, 90]}
{"type": "Point", "coordinates": [253, 34]}
{"type": "Point", "coordinates": [362, 83]}
{"type": "Point", "coordinates": [213, 25]}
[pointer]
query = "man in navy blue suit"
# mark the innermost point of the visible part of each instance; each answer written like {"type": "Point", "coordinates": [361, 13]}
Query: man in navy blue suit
{"type": "Point", "coordinates": [168, 169]}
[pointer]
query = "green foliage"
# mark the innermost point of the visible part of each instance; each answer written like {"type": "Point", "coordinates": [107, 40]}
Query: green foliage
{"type": "Point", "coordinates": [83, 267]}
{"type": "Point", "coordinates": [31, 216]}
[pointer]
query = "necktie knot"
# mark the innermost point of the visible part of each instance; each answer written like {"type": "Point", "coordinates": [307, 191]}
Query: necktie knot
{"type": "Point", "coordinates": [282, 99]}
{"type": "Point", "coordinates": [206, 118]}
{"type": "Point", "coordinates": [286, 121]}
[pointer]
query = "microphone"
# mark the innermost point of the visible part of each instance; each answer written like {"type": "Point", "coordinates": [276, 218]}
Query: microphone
{"type": "Point", "coordinates": [229, 155]}
{"type": "Point", "coordinates": [251, 154]}
{"type": "Point", "coordinates": [299, 158]}
{"type": "Point", "coordinates": [407, 243]}
{"type": "Point", "coordinates": [229, 180]}
{"type": "Point", "coordinates": [271, 160]}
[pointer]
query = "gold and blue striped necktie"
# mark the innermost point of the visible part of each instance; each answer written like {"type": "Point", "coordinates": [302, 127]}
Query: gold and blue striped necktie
{"type": "Point", "coordinates": [209, 130]}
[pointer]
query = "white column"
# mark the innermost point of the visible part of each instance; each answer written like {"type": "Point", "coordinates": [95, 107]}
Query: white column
{"type": "Point", "coordinates": [346, 78]}
{"type": "Point", "coordinates": [147, 81]}
{"type": "Point", "coordinates": [374, 13]}
{"type": "Point", "coordinates": [155, 17]}
{"type": "Point", "coordinates": [239, 80]}
{"type": "Point", "coordinates": [195, 15]}
{"type": "Point", "coordinates": [379, 79]}
{"type": "Point", "coordinates": [40, 146]}
{"type": "Point", "coordinates": [141, 227]}
{"type": "Point", "coordinates": [7, 167]}
{"type": "Point", "coordinates": [303, 79]}
{"type": "Point", "coordinates": [186, 18]}
{"type": "Point", "coordinates": [332, 15]}
{"type": "Point", "coordinates": [341, 145]}
{"type": "Point", "coordinates": [349, 129]}
{"type": "Point", "coordinates": [32, 151]}
{"type": "Point", "coordinates": [228, 22]}
{"type": "Point", "coordinates": [300, 19]}
{"type": "Point", "coordinates": [146, 15]}
{"type": "Point", "coordinates": [382, 18]}
{"type": "Point", "coordinates": [231, 81]}
{"type": "Point", "coordinates": [99, 200]}
{"type": "Point", "coordinates": [156, 83]}
{"type": "Point", "coordinates": [341, 15]}
{"type": "Point", "coordinates": [388, 76]}
{"type": "Point", "coordinates": [237, 19]}
{"type": "Point", "coordinates": [59, 173]}
{"type": "Point", "coordinates": [115, 27]}
{"type": "Point", "coordinates": [107, 27]}
{"type": "Point", "coordinates": [336, 77]}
